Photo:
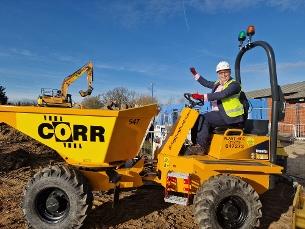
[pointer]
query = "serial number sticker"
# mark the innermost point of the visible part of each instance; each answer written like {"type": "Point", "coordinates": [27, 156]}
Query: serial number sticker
{"type": "Point", "coordinates": [234, 144]}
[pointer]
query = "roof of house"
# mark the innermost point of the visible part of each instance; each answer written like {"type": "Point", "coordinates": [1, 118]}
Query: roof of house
{"type": "Point", "coordinates": [291, 91]}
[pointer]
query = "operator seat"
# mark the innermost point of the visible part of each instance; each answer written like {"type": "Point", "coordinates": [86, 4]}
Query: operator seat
{"type": "Point", "coordinates": [222, 129]}
{"type": "Point", "coordinates": [250, 126]}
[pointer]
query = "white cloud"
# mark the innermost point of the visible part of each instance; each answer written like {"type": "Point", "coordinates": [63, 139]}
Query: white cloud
{"type": "Point", "coordinates": [15, 74]}
{"type": "Point", "coordinates": [263, 67]}
{"type": "Point", "coordinates": [143, 68]}
{"type": "Point", "coordinates": [256, 68]}
{"type": "Point", "coordinates": [286, 4]}
{"type": "Point", "coordinates": [13, 52]}
{"type": "Point", "coordinates": [119, 68]}
{"type": "Point", "coordinates": [5, 54]}
{"type": "Point", "coordinates": [210, 6]}
{"type": "Point", "coordinates": [138, 12]}
{"type": "Point", "coordinates": [291, 65]}
{"type": "Point", "coordinates": [22, 52]}
{"type": "Point", "coordinates": [64, 58]}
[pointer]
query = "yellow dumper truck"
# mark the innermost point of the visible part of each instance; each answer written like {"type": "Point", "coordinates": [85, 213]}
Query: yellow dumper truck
{"type": "Point", "coordinates": [101, 148]}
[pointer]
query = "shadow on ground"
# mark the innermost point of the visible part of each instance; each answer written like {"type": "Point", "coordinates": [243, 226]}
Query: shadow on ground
{"type": "Point", "coordinates": [139, 203]}
{"type": "Point", "coordinates": [277, 211]}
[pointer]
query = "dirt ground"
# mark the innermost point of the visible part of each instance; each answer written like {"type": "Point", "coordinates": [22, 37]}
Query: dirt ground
{"type": "Point", "coordinates": [21, 158]}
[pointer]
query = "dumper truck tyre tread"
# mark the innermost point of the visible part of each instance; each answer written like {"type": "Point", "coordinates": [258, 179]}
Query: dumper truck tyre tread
{"type": "Point", "coordinates": [57, 197]}
{"type": "Point", "coordinates": [226, 201]}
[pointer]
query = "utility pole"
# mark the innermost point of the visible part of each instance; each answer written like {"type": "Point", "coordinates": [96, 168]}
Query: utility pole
{"type": "Point", "coordinates": [152, 90]}
{"type": "Point", "coordinates": [153, 121]}
{"type": "Point", "coordinates": [298, 123]}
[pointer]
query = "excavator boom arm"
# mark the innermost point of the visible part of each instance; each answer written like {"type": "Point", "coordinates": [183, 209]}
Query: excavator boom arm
{"type": "Point", "coordinates": [87, 68]}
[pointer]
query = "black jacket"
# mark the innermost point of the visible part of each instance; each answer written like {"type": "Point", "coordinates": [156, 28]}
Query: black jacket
{"type": "Point", "coordinates": [232, 89]}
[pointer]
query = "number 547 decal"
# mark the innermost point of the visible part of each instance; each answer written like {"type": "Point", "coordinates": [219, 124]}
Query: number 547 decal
{"type": "Point", "coordinates": [133, 121]}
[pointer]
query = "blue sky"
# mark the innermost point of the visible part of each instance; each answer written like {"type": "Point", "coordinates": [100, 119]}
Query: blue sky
{"type": "Point", "coordinates": [135, 43]}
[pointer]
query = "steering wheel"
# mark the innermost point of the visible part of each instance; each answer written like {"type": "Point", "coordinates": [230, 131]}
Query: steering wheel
{"type": "Point", "coordinates": [192, 102]}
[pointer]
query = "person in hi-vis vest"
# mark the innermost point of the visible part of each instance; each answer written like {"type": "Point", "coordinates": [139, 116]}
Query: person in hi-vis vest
{"type": "Point", "coordinates": [226, 107]}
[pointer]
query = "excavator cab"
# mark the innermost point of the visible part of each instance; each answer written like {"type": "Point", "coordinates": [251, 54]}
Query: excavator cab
{"type": "Point", "coordinates": [61, 98]}
{"type": "Point", "coordinates": [53, 98]}
{"type": "Point", "coordinates": [49, 92]}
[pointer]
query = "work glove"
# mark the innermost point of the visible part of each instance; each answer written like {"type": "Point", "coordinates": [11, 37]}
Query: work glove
{"type": "Point", "coordinates": [195, 73]}
{"type": "Point", "coordinates": [198, 96]}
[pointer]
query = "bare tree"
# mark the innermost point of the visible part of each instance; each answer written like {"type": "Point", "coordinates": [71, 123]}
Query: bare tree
{"type": "Point", "coordinates": [92, 102]}
{"type": "Point", "coordinates": [144, 100]}
{"type": "Point", "coordinates": [119, 95]}
{"type": "Point", "coordinates": [25, 102]}
{"type": "Point", "coordinates": [117, 98]}
{"type": "Point", "coordinates": [3, 97]}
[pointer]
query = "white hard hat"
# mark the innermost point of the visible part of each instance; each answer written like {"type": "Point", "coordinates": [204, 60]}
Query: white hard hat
{"type": "Point", "coordinates": [222, 65]}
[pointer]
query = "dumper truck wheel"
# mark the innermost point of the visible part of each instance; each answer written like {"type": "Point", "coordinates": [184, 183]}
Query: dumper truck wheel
{"type": "Point", "coordinates": [226, 201]}
{"type": "Point", "coordinates": [57, 197]}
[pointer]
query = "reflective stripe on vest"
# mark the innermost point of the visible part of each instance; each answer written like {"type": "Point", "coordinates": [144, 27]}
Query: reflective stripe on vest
{"type": "Point", "coordinates": [232, 105]}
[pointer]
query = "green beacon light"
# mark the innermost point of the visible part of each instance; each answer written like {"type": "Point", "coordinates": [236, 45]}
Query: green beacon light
{"type": "Point", "coordinates": [241, 38]}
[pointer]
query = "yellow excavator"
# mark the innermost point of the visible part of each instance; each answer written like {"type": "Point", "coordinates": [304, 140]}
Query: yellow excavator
{"type": "Point", "coordinates": [61, 98]}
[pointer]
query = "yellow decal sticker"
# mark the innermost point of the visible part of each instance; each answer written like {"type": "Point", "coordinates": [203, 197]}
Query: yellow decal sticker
{"type": "Point", "coordinates": [250, 141]}
{"type": "Point", "coordinates": [234, 142]}
{"type": "Point", "coordinates": [165, 162]}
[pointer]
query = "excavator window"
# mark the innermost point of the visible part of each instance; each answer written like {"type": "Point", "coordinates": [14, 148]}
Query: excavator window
{"type": "Point", "coordinates": [47, 92]}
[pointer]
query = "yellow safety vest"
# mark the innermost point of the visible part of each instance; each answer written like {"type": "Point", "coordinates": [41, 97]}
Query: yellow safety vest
{"type": "Point", "coordinates": [232, 105]}
{"type": "Point", "coordinates": [39, 101]}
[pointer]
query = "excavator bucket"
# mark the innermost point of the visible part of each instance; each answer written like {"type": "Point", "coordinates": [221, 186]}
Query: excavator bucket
{"type": "Point", "coordinates": [86, 93]}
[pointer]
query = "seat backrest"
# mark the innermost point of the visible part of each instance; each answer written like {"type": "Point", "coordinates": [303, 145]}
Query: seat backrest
{"type": "Point", "coordinates": [244, 101]}
{"type": "Point", "coordinates": [222, 129]}
{"type": "Point", "coordinates": [257, 127]}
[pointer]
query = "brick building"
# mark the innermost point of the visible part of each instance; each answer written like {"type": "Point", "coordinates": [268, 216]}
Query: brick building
{"type": "Point", "coordinates": [295, 106]}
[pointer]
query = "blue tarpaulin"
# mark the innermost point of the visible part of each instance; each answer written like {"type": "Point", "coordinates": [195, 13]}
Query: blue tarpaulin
{"type": "Point", "coordinates": [258, 109]}
{"type": "Point", "coordinates": [169, 113]}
